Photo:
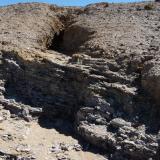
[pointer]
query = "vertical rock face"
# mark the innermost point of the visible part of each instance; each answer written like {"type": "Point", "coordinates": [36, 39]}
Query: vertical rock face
{"type": "Point", "coordinates": [97, 65]}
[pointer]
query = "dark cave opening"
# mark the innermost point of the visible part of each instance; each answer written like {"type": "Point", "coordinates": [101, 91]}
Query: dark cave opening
{"type": "Point", "coordinates": [70, 40]}
{"type": "Point", "coordinates": [57, 42]}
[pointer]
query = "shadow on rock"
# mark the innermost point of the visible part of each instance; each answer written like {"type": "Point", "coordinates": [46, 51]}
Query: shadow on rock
{"type": "Point", "coordinates": [66, 127]}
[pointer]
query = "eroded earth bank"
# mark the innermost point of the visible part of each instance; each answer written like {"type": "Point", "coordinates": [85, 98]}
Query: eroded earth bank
{"type": "Point", "coordinates": [80, 83]}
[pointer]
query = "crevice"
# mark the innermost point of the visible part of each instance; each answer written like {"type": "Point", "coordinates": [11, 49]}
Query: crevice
{"type": "Point", "coordinates": [69, 40]}
{"type": "Point", "coordinates": [57, 41]}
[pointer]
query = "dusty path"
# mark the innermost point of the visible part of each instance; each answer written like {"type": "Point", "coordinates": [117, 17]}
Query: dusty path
{"type": "Point", "coordinates": [29, 139]}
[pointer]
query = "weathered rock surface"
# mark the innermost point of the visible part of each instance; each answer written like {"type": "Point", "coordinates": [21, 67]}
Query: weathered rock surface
{"type": "Point", "coordinates": [97, 66]}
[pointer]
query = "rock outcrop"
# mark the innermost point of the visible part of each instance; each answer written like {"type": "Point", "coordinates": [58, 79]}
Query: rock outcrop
{"type": "Point", "coordinates": [97, 66]}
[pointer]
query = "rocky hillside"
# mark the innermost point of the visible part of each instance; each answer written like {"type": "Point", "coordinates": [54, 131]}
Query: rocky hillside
{"type": "Point", "coordinates": [97, 67]}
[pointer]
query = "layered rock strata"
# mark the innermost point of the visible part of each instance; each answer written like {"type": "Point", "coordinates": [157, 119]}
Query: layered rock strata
{"type": "Point", "coordinates": [97, 66]}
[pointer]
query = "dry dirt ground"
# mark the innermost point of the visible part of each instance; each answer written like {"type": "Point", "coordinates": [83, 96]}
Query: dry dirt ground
{"type": "Point", "coordinates": [33, 141]}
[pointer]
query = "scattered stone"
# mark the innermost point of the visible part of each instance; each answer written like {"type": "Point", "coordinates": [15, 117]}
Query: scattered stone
{"type": "Point", "coordinates": [56, 148]}
{"type": "Point", "coordinates": [65, 147]}
{"type": "Point", "coordinates": [23, 148]}
{"type": "Point", "coordinates": [5, 114]}
{"type": "Point", "coordinates": [62, 147]}
{"type": "Point", "coordinates": [26, 158]}
{"type": "Point", "coordinates": [26, 115]}
{"type": "Point", "coordinates": [7, 137]}
{"type": "Point", "coordinates": [62, 157]}
{"type": "Point", "coordinates": [119, 122]}
{"type": "Point", "coordinates": [77, 147]}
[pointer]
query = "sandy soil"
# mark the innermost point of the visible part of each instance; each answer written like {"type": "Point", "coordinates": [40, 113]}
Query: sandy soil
{"type": "Point", "coordinates": [29, 139]}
